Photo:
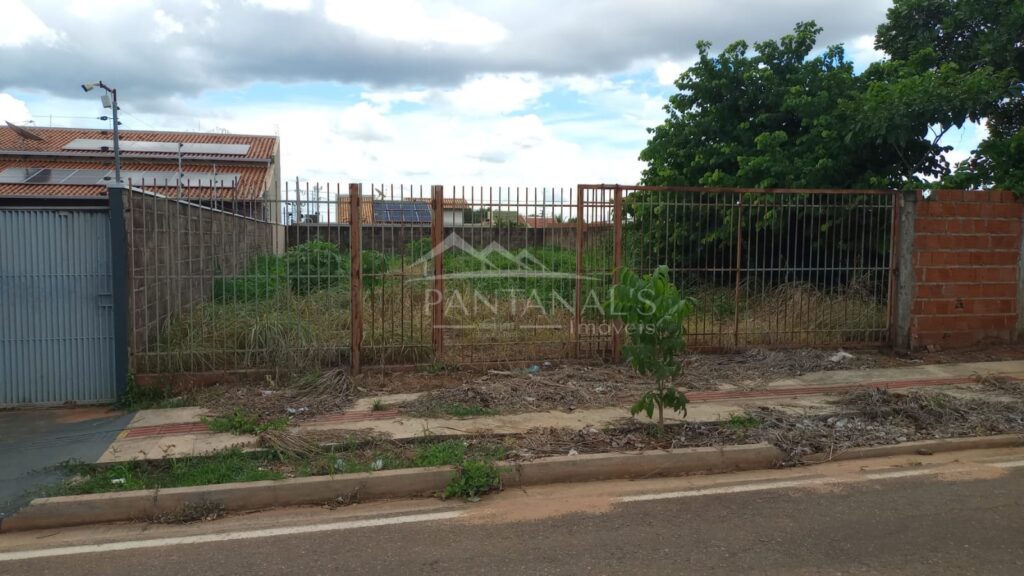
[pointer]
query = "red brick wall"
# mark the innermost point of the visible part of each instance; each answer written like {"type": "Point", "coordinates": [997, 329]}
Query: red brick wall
{"type": "Point", "coordinates": [966, 254]}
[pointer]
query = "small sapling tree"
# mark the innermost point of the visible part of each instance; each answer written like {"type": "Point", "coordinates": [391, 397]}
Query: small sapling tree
{"type": "Point", "coordinates": [652, 312]}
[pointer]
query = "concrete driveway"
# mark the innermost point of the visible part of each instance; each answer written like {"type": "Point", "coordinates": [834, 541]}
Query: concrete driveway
{"type": "Point", "coordinates": [33, 441]}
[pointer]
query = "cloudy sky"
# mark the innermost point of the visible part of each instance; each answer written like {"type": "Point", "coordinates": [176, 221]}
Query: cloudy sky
{"type": "Point", "coordinates": [508, 92]}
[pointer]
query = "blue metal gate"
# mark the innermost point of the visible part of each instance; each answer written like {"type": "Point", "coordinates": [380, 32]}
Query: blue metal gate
{"type": "Point", "coordinates": [56, 308]}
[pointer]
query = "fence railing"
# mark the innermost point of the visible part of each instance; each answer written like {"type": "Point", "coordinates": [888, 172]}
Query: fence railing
{"type": "Point", "coordinates": [368, 274]}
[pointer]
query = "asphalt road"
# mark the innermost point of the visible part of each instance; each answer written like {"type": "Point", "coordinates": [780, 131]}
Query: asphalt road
{"type": "Point", "coordinates": [951, 517]}
{"type": "Point", "coordinates": [33, 441]}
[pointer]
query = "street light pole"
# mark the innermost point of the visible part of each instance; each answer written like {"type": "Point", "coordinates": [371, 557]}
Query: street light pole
{"type": "Point", "coordinates": [117, 135]}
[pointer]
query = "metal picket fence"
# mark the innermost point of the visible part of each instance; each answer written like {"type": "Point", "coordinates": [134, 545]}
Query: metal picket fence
{"type": "Point", "coordinates": [320, 276]}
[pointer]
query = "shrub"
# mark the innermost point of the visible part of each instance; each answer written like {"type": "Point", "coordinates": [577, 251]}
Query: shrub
{"type": "Point", "coordinates": [473, 479]}
{"type": "Point", "coordinates": [242, 422]}
{"type": "Point", "coordinates": [264, 277]}
{"type": "Point", "coordinates": [314, 266]}
{"type": "Point", "coordinates": [653, 311]}
{"type": "Point", "coordinates": [419, 248]}
{"type": "Point", "coordinates": [375, 265]}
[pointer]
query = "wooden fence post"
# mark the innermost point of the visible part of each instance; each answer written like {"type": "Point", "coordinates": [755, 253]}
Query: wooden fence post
{"type": "Point", "coordinates": [355, 245]}
{"type": "Point", "coordinates": [578, 315]}
{"type": "Point", "coordinates": [739, 270]}
{"type": "Point", "coordinates": [617, 268]}
{"type": "Point", "coordinates": [437, 239]}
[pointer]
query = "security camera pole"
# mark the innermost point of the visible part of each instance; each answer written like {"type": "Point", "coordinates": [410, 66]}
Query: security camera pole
{"type": "Point", "coordinates": [110, 102]}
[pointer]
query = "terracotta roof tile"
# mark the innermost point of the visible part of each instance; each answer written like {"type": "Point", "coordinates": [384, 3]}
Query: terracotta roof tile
{"type": "Point", "coordinates": [345, 210]}
{"type": "Point", "coordinates": [251, 184]}
{"type": "Point", "coordinates": [54, 140]}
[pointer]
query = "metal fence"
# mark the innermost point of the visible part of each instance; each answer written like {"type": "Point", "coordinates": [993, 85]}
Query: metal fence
{"type": "Point", "coordinates": [371, 274]}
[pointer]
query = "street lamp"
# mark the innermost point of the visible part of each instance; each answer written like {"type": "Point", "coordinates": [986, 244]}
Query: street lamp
{"type": "Point", "coordinates": [110, 101]}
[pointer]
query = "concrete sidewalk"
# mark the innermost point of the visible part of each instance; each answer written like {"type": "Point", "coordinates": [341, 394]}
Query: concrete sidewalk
{"type": "Point", "coordinates": [155, 434]}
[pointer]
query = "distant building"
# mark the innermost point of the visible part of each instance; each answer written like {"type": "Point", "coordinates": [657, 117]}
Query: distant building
{"type": "Point", "coordinates": [546, 222]}
{"type": "Point", "coordinates": [455, 211]}
{"type": "Point", "coordinates": [228, 171]}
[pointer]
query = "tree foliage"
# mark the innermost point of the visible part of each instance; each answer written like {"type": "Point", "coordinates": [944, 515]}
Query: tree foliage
{"type": "Point", "coordinates": [978, 44]}
{"type": "Point", "coordinates": [777, 117]}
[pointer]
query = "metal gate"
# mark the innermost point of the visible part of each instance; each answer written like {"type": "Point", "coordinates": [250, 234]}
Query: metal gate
{"type": "Point", "coordinates": [56, 308]}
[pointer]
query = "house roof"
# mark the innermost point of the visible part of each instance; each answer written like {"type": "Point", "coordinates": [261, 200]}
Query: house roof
{"type": "Point", "coordinates": [456, 203]}
{"type": "Point", "coordinates": [55, 139]}
{"type": "Point", "coordinates": [255, 169]}
{"type": "Point", "coordinates": [345, 210]}
{"type": "Point", "coordinates": [250, 186]}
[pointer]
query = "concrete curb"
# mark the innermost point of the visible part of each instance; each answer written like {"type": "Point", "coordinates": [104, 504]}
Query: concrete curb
{"type": "Point", "coordinates": [144, 504]}
{"type": "Point", "coordinates": [922, 447]}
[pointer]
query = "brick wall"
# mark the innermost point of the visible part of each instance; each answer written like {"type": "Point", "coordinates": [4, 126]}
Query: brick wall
{"type": "Point", "coordinates": [175, 250]}
{"type": "Point", "coordinates": [967, 254]}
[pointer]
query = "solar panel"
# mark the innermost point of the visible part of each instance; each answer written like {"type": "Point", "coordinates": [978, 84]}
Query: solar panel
{"type": "Point", "coordinates": [93, 177]}
{"type": "Point", "coordinates": [17, 175]}
{"type": "Point", "coordinates": [49, 176]}
{"type": "Point", "coordinates": [403, 212]}
{"type": "Point", "coordinates": [161, 147]}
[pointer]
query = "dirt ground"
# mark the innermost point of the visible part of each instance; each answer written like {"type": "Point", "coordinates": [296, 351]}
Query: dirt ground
{"type": "Point", "coordinates": [565, 386]}
{"type": "Point", "coordinates": [558, 385]}
{"type": "Point", "coordinates": [313, 395]}
{"type": "Point", "coordinates": [863, 418]}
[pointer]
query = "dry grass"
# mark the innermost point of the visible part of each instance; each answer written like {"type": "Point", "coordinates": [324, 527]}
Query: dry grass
{"type": "Point", "coordinates": [790, 314]}
{"type": "Point", "coordinates": [288, 332]}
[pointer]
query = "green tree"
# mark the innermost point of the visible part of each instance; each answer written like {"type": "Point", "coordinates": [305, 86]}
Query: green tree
{"type": "Point", "coordinates": [777, 117]}
{"type": "Point", "coordinates": [976, 48]}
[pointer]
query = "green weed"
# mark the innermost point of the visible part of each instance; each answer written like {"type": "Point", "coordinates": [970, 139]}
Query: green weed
{"type": "Point", "coordinates": [473, 479]}
{"type": "Point", "coordinates": [742, 422]}
{"type": "Point", "coordinates": [228, 466]}
{"type": "Point", "coordinates": [465, 410]}
{"type": "Point", "coordinates": [241, 422]}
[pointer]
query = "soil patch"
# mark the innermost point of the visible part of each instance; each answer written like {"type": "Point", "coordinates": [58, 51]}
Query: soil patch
{"type": "Point", "coordinates": [572, 386]}
{"type": "Point", "coordinates": [299, 399]}
{"type": "Point", "coordinates": [757, 367]}
{"type": "Point", "coordinates": [565, 387]}
{"type": "Point", "coordinates": [864, 418]}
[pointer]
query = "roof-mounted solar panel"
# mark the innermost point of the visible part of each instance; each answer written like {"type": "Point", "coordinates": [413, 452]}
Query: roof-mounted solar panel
{"type": "Point", "coordinates": [49, 176]}
{"type": "Point", "coordinates": [98, 177]}
{"type": "Point", "coordinates": [146, 146]}
{"type": "Point", "coordinates": [17, 175]}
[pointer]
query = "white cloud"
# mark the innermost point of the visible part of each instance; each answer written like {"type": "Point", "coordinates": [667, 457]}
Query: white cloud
{"type": "Point", "coordinates": [166, 25]}
{"type": "Point", "coordinates": [96, 10]}
{"type": "Point", "coordinates": [668, 72]}
{"type": "Point", "coordinates": [587, 84]}
{"type": "Point", "coordinates": [13, 110]}
{"type": "Point", "coordinates": [497, 93]}
{"type": "Point", "coordinates": [861, 51]}
{"type": "Point", "coordinates": [283, 5]}
{"type": "Point", "coordinates": [964, 141]}
{"type": "Point", "coordinates": [415, 22]}
{"type": "Point", "coordinates": [19, 25]}
{"type": "Point", "coordinates": [383, 99]}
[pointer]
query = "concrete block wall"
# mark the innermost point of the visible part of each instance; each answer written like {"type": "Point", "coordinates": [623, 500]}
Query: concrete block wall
{"type": "Point", "coordinates": [967, 268]}
{"type": "Point", "coordinates": [175, 251]}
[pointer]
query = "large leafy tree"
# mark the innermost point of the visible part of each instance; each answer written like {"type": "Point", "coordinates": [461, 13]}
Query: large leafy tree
{"type": "Point", "coordinates": [776, 117]}
{"type": "Point", "coordinates": [971, 52]}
